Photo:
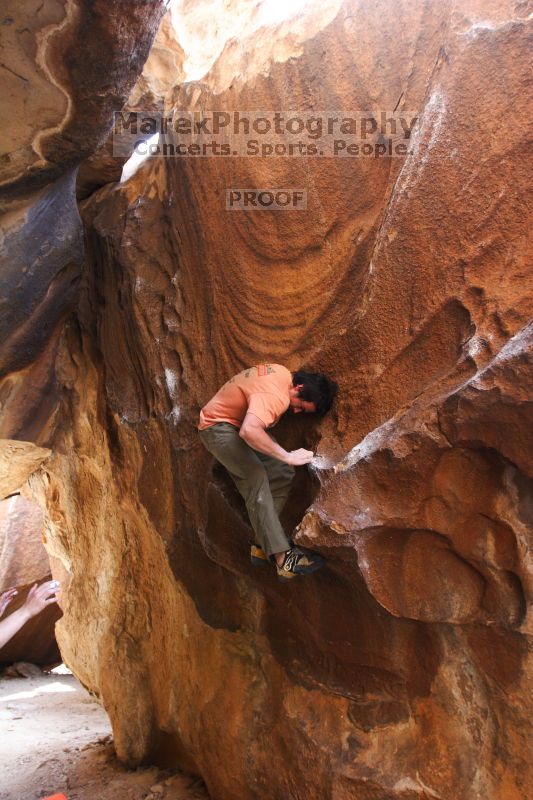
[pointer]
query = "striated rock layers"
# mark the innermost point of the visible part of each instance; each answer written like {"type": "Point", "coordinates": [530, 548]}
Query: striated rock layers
{"type": "Point", "coordinates": [65, 68]}
{"type": "Point", "coordinates": [398, 672]}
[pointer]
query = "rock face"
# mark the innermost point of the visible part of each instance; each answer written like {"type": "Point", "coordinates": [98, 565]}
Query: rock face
{"type": "Point", "coordinates": [18, 460]}
{"type": "Point", "coordinates": [399, 671]}
{"type": "Point", "coordinates": [65, 67]}
{"type": "Point", "coordinates": [68, 65]}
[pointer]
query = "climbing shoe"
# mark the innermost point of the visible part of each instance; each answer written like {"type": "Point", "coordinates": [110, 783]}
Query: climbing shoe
{"type": "Point", "coordinates": [299, 562]}
{"type": "Point", "coordinates": [258, 557]}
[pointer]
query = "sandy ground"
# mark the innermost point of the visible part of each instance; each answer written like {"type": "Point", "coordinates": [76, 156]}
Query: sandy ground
{"type": "Point", "coordinates": [54, 737]}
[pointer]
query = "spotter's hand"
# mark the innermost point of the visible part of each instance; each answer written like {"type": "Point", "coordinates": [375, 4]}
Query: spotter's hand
{"type": "Point", "coordinates": [41, 596]}
{"type": "Point", "coordinates": [6, 598]}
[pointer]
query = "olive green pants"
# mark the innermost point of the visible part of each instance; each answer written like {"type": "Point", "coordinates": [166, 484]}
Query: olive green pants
{"type": "Point", "coordinates": [263, 482]}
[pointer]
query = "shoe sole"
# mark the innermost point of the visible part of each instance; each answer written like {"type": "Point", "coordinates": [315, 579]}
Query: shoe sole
{"type": "Point", "coordinates": [318, 564]}
{"type": "Point", "coordinates": [283, 579]}
{"type": "Point", "coordinates": [302, 571]}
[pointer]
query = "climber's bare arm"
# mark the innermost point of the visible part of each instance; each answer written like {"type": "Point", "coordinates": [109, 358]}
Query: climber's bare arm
{"type": "Point", "coordinates": [253, 432]}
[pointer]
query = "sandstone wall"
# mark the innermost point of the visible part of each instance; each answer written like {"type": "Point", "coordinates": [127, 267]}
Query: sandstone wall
{"type": "Point", "coordinates": [66, 66]}
{"type": "Point", "coordinates": [399, 671]}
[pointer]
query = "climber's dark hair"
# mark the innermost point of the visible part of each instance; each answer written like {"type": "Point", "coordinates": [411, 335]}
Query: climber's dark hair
{"type": "Point", "coordinates": [316, 389]}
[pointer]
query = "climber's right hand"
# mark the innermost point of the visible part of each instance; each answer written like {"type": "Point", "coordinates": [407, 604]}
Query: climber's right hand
{"type": "Point", "coordinates": [298, 457]}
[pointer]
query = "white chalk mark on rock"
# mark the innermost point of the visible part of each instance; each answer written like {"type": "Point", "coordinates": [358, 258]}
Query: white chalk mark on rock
{"type": "Point", "coordinates": [172, 381]}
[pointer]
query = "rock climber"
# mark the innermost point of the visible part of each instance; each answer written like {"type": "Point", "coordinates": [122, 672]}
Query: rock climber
{"type": "Point", "coordinates": [233, 427]}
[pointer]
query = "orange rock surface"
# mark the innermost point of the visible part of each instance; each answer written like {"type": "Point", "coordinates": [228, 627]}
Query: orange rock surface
{"type": "Point", "coordinates": [399, 671]}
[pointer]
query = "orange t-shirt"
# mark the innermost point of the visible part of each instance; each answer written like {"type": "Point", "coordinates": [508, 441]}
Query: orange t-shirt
{"type": "Point", "coordinates": [263, 390]}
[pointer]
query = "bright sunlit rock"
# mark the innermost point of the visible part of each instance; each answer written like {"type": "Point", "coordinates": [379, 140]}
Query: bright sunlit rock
{"type": "Point", "coordinates": [134, 162]}
{"type": "Point", "coordinates": [204, 34]}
